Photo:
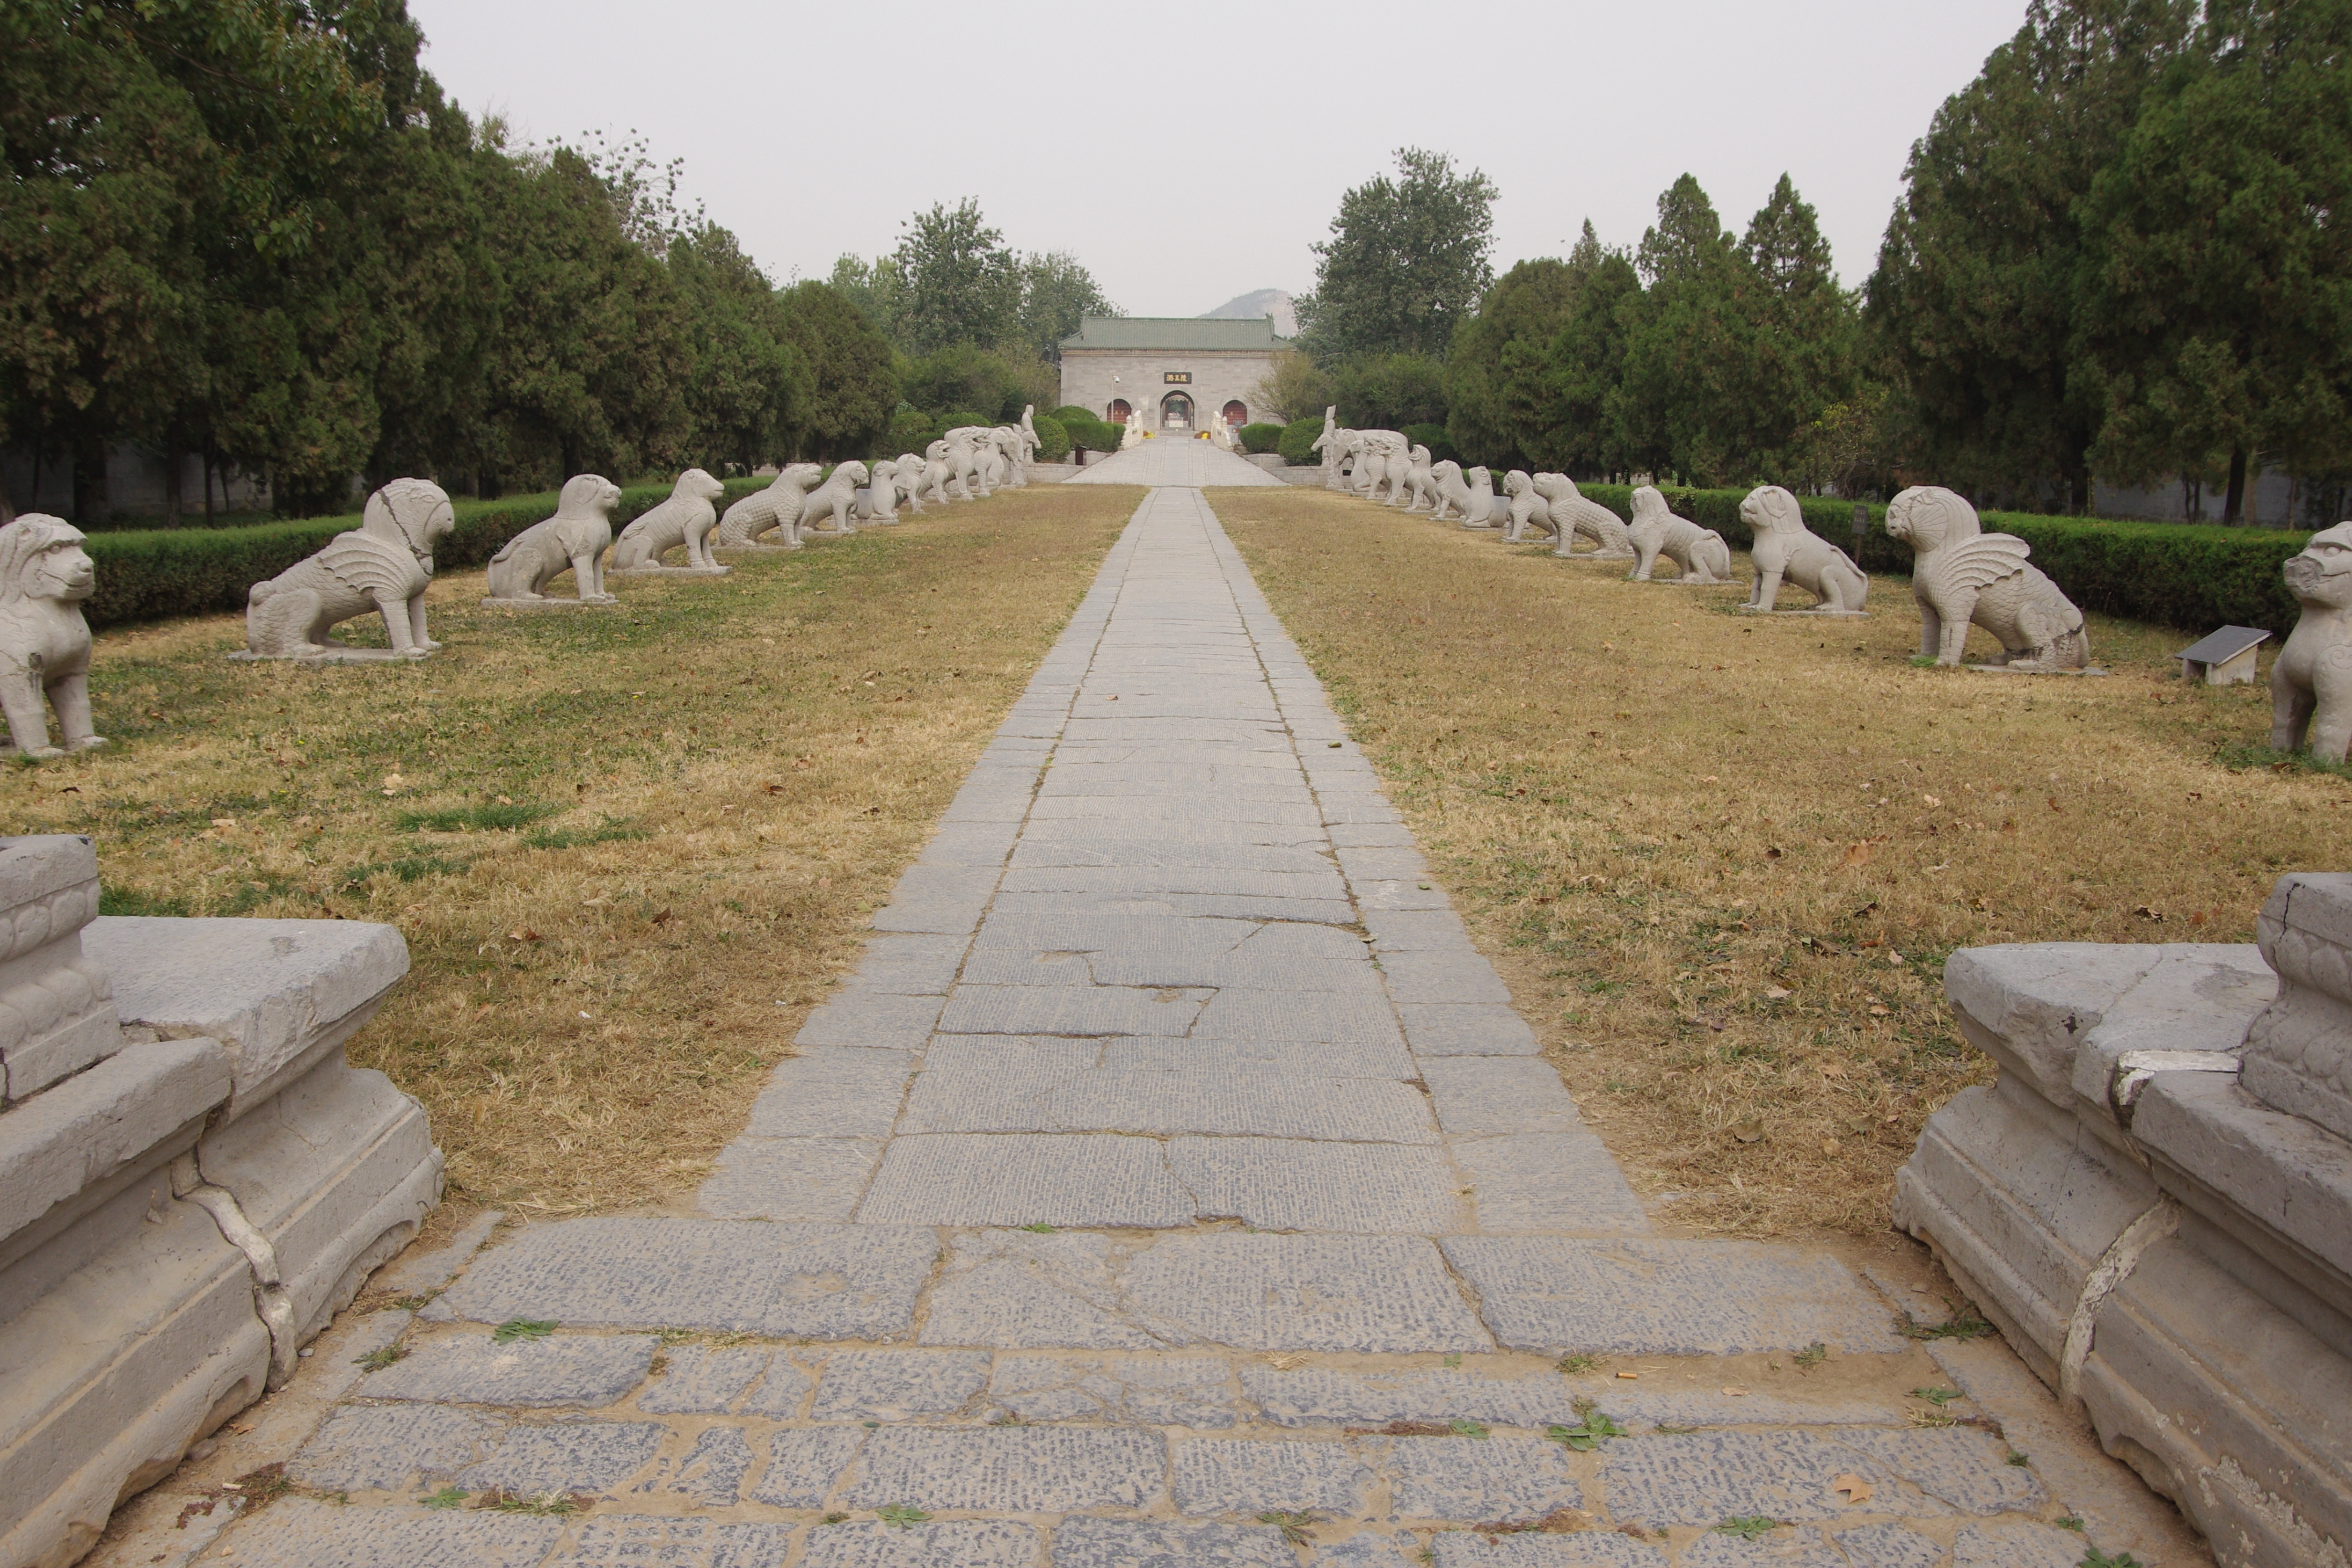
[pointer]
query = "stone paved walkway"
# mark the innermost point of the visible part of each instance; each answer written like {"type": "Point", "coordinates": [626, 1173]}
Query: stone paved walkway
{"type": "Point", "coordinates": [1173, 460]}
{"type": "Point", "coordinates": [1172, 1174]}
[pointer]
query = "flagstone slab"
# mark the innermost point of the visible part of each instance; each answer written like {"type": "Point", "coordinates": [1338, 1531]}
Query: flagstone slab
{"type": "Point", "coordinates": [1154, 1543]}
{"type": "Point", "coordinates": [297, 1532]}
{"type": "Point", "coordinates": [1295, 1184]}
{"type": "Point", "coordinates": [818, 1282]}
{"type": "Point", "coordinates": [466, 1368]}
{"type": "Point", "coordinates": [1548, 1183]}
{"type": "Point", "coordinates": [1010, 1469]}
{"type": "Point", "coordinates": [641, 1542]}
{"type": "Point", "coordinates": [1102, 1180]}
{"type": "Point", "coordinates": [1383, 1293]}
{"type": "Point", "coordinates": [1253, 1477]}
{"type": "Point", "coordinates": [1145, 1390]}
{"type": "Point", "coordinates": [941, 1543]}
{"type": "Point", "coordinates": [790, 1178]}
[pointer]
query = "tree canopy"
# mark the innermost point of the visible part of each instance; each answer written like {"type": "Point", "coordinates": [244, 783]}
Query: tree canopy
{"type": "Point", "coordinates": [1407, 260]}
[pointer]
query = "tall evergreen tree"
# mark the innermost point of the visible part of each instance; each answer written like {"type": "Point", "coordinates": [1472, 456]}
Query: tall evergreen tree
{"type": "Point", "coordinates": [1681, 408]}
{"type": "Point", "coordinates": [852, 390]}
{"type": "Point", "coordinates": [958, 284]}
{"type": "Point", "coordinates": [746, 385]}
{"type": "Point", "coordinates": [1056, 291]}
{"type": "Point", "coordinates": [1408, 258]}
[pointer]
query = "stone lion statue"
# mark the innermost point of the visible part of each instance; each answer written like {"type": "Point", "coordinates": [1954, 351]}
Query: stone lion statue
{"type": "Point", "coordinates": [1527, 508]}
{"type": "Point", "coordinates": [964, 461]}
{"type": "Point", "coordinates": [687, 518]}
{"type": "Point", "coordinates": [1963, 574]}
{"type": "Point", "coordinates": [1372, 450]}
{"type": "Point", "coordinates": [881, 502]}
{"type": "Point", "coordinates": [1420, 490]}
{"type": "Point", "coordinates": [1656, 531]}
{"type": "Point", "coordinates": [1573, 516]}
{"type": "Point", "coordinates": [1785, 547]}
{"type": "Point", "coordinates": [44, 575]}
{"type": "Point", "coordinates": [911, 475]}
{"type": "Point", "coordinates": [2311, 684]}
{"type": "Point", "coordinates": [834, 498]}
{"type": "Point", "coordinates": [778, 506]}
{"type": "Point", "coordinates": [1468, 491]}
{"type": "Point", "coordinates": [384, 564]}
{"type": "Point", "coordinates": [574, 538]}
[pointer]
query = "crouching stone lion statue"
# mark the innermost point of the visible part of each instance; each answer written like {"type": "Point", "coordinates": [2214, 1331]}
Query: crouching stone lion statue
{"type": "Point", "coordinates": [687, 518]}
{"type": "Point", "coordinates": [384, 564]}
{"type": "Point", "coordinates": [835, 498]}
{"type": "Point", "coordinates": [1701, 553]}
{"type": "Point", "coordinates": [778, 506]}
{"type": "Point", "coordinates": [576, 537]}
{"type": "Point", "coordinates": [1785, 547]}
{"type": "Point", "coordinates": [1574, 517]}
{"type": "Point", "coordinates": [2310, 685]}
{"type": "Point", "coordinates": [44, 575]}
{"type": "Point", "coordinates": [1963, 574]}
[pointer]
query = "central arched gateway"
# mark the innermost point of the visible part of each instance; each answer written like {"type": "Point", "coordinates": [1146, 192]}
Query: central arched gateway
{"type": "Point", "coordinates": [1117, 414]}
{"type": "Point", "coordinates": [1176, 412]}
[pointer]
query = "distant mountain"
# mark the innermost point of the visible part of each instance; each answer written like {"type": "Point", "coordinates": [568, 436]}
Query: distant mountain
{"type": "Point", "coordinates": [1263, 302]}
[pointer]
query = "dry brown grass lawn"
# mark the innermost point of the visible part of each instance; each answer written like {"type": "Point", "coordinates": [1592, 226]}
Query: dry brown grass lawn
{"type": "Point", "coordinates": [629, 849]}
{"type": "Point", "coordinates": [1720, 859]}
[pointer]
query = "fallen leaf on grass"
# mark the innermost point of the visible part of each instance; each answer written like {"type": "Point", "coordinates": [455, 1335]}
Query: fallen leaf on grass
{"type": "Point", "coordinates": [1931, 801]}
{"type": "Point", "coordinates": [1859, 855]}
{"type": "Point", "coordinates": [525, 934]}
{"type": "Point", "coordinates": [1778, 993]}
{"type": "Point", "coordinates": [1749, 1131]}
{"type": "Point", "coordinates": [1734, 1393]}
{"type": "Point", "coordinates": [1854, 1488]}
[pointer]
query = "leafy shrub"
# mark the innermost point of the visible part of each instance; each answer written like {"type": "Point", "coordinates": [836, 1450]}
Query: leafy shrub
{"type": "Point", "coordinates": [1441, 446]}
{"type": "Point", "coordinates": [1094, 435]}
{"type": "Point", "coordinates": [2192, 575]}
{"type": "Point", "coordinates": [911, 431]}
{"type": "Point", "coordinates": [1261, 437]}
{"type": "Point", "coordinates": [1298, 443]}
{"type": "Point", "coordinates": [149, 574]}
{"type": "Point", "coordinates": [1069, 411]}
{"type": "Point", "coordinates": [1053, 438]}
{"type": "Point", "coordinates": [958, 419]}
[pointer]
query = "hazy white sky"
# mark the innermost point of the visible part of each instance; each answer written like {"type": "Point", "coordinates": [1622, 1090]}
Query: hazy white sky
{"type": "Point", "coordinates": [1188, 153]}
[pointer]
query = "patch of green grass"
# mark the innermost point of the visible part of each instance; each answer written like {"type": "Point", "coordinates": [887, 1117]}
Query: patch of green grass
{"type": "Point", "coordinates": [1813, 1355]}
{"type": "Point", "coordinates": [2073, 1521]}
{"type": "Point", "coordinates": [496, 817]}
{"type": "Point", "coordinates": [408, 869]}
{"type": "Point", "coordinates": [447, 1497]}
{"type": "Point", "coordinates": [2245, 758]}
{"type": "Point", "coordinates": [415, 1304]}
{"type": "Point", "coordinates": [834, 1519]}
{"type": "Point", "coordinates": [2018, 1458]}
{"type": "Point", "coordinates": [1589, 1434]}
{"type": "Point", "coordinates": [1040, 1228]}
{"type": "Point", "coordinates": [378, 1359]}
{"type": "Point", "coordinates": [115, 899]}
{"type": "Point", "coordinates": [2095, 1558]}
{"type": "Point", "coordinates": [1939, 1397]}
{"type": "Point", "coordinates": [613, 830]}
{"type": "Point", "coordinates": [1965, 1324]}
{"type": "Point", "coordinates": [515, 1329]}
{"type": "Point", "coordinates": [900, 1515]}
{"type": "Point", "coordinates": [1573, 1364]}
{"type": "Point", "coordinates": [1294, 1526]}
{"type": "Point", "coordinates": [547, 1505]}
{"type": "Point", "coordinates": [1467, 1428]}
{"type": "Point", "coordinates": [1747, 1527]}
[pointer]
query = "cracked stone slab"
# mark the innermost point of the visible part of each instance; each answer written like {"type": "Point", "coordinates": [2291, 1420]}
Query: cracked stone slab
{"type": "Point", "coordinates": [897, 1385]}
{"type": "Point", "coordinates": [1370, 1550]}
{"type": "Point", "coordinates": [383, 1448]}
{"type": "Point", "coordinates": [626, 1541]}
{"type": "Point", "coordinates": [1325, 1396]}
{"type": "Point", "coordinates": [711, 1473]}
{"type": "Point", "coordinates": [1481, 1097]}
{"type": "Point", "coordinates": [815, 1281]}
{"type": "Point", "coordinates": [1429, 979]}
{"type": "Point", "coordinates": [1642, 1297]}
{"type": "Point", "coordinates": [1146, 1390]}
{"type": "Point", "coordinates": [1289, 1183]}
{"type": "Point", "coordinates": [472, 1369]}
{"type": "Point", "coordinates": [1154, 1543]}
{"type": "Point", "coordinates": [1498, 1480]}
{"type": "Point", "coordinates": [834, 1092]}
{"type": "Point", "coordinates": [1549, 1183]}
{"type": "Point", "coordinates": [568, 1457]}
{"type": "Point", "coordinates": [1586, 1549]}
{"type": "Point", "coordinates": [1377, 1294]}
{"type": "Point", "coordinates": [297, 1532]}
{"type": "Point", "coordinates": [1889, 1545]}
{"type": "Point", "coordinates": [1019, 1292]}
{"type": "Point", "coordinates": [941, 1543]}
{"type": "Point", "coordinates": [780, 1394]}
{"type": "Point", "coordinates": [1126, 1099]}
{"type": "Point", "coordinates": [1964, 1467]}
{"type": "Point", "coordinates": [1067, 1010]}
{"type": "Point", "coordinates": [1789, 1547]}
{"type": "Point", "coordinates": [1010, 1469]}
{"type": "Point", "coordinates": [702, 1380]}
{"type": "Point", "coordinates": [415, 1273]}
{"type": "Point", "coordinates": [1459, 1029]}
{"type": "Point", "coordinates": [1705, 1478]}
{"type": "Point", "coordinates": [1102, 1180]}
{"type": "Point", "coordinates": [876, 1020]}
{"type": "Point", "coordinates": [2016, 1543]}
{"type": "Point", "coordinates": [1357, 1059]}
{"type": "Point", "coordinates": [790, 1178]}
{"type": "Point", "coordinates": [804, 1463]}
{"type": "Point", "coordinates": [1235, 1014]}
{"type": "Point", "coordinates": [1220, 1475]}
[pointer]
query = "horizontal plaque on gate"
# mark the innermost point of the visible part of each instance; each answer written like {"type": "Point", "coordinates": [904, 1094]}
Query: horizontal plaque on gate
{"type": "Point", "coordinates": [1177, 378]}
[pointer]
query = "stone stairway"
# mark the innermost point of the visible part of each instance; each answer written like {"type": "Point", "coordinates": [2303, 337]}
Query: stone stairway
{"type": "Point", "coordinates": [1173, 1184]}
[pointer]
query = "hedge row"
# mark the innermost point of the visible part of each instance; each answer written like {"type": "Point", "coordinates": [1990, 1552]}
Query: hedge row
{"type": "Point", "coordinates": [149, 574]}
{"type": "Point", "coordinates": [1298, 443]}
{"type": "Point", "coordinates": [2195, 576]}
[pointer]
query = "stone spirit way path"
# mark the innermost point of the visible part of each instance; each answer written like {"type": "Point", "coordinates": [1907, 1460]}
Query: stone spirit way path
{"type": "Point", "coordinates": [1174, 1184]}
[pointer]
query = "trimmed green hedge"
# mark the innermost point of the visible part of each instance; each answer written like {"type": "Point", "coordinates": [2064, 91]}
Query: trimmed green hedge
{"type": "Point", "coordinates": [2192, 575]}
{"type": "Point", "coordinates": [149, 574]}
{"type": "Point", "coordinates": [1261, 437]}
{"type": "Point", "coordinates": [1441, 446]}
{"type": "Point", "coordinates": [1298, 443]}
{"type": "Point", "coordinates": [1053, 438]}
{"type": "Point", "coordinates": [1094, 435]}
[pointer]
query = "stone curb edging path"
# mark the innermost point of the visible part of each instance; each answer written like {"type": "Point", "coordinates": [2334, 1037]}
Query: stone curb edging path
{"type": "Point", "coordinates": [1171, 1162]}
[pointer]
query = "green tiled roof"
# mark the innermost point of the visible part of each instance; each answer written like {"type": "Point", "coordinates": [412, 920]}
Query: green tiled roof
{"type": "Point", "coordinates": [1177, 334]}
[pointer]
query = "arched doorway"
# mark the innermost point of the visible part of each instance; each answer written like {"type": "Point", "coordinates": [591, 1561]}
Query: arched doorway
{"type": "Point", "coordinates": [1236, 413]}
{"type": "Point", "coordinates": [1118, 412]}
{"type": "Point", "coordinates": [1175, 412]}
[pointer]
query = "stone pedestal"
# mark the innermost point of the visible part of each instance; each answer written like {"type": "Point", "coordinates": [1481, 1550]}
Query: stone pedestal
{"type": "Point", "coordinates": [193, 1179]}
{"type": "Point", "coordinates": [2167, 1240]}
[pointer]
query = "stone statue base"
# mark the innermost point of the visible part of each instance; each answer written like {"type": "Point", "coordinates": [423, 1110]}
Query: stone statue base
{"type": "Point", "coordinates": [602, 602]}
{"type": "Point", "coordinates": [760, 549]}
{"type": "Point", "coordinates": [1680, 582]}
{"type": "Point", "coordinates": [2031, 669]}
{"type": "Point", "coordinates": [333, 654]}
{"type": "Point", "coordinates": [667, 572]}
{"type": "Point", "coordinates": [1818, 612]}
{"type": "Point", "coordinates": [1595, 555]}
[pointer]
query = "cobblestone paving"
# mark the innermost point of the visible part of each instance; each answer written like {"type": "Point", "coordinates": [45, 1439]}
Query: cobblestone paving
{"type": "Point", "coordinates": [1173, 1184]}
